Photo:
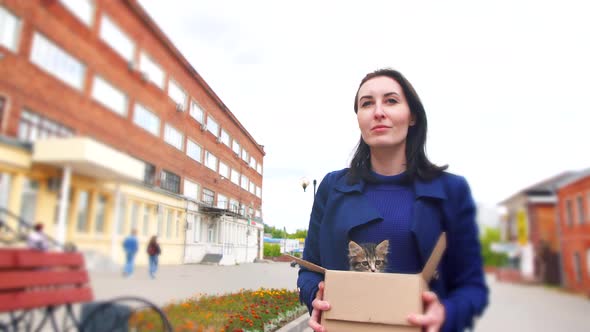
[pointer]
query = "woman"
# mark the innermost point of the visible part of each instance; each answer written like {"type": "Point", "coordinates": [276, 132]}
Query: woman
{"type": "Point", "coordinates": [392, 191]}
{"type": "Point", "coordinates": [153, 251]}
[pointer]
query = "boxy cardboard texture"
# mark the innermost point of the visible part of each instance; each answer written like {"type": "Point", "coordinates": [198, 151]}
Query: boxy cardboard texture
{"type": "Point", "coordinates": [375, 302]}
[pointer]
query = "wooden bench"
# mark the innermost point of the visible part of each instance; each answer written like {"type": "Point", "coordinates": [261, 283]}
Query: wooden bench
{"type": "Point", "coordinates": [36, 283]}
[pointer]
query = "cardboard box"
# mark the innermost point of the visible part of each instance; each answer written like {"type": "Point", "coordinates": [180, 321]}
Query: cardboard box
{"type": "Point", "coordinates": [375, 302]}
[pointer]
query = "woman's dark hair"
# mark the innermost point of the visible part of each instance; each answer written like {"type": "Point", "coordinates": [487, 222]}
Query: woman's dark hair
{"type": "Point", "coordinates": [418, 165]}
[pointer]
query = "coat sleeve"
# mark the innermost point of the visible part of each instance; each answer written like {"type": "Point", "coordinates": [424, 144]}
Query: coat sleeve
{"type": "Point", "coordinates": [467, 294]}
{"type": "Point", "coordinates": [308, 281]}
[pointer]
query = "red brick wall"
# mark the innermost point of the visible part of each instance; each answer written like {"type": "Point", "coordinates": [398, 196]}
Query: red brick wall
{"type": "Point", "coordinates": [575, 238]}
{"type": "Point", "coordinates": [26, 86]}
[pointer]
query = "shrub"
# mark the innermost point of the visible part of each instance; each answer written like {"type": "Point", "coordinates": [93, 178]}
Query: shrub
{"type": "Point", "coordinates": [272, 250]}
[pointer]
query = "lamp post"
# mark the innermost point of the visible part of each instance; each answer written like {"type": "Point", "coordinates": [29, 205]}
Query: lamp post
{"type": "Point", "coordinates": [305, 184]}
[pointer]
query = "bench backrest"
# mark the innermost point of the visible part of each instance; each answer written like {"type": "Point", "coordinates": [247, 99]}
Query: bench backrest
{"type": "Point", "coordinates": [35, 279]}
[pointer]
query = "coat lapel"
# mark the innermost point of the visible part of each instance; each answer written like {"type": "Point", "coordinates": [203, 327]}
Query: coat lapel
{"type": "Point", "coordinates": [427, 222]}
{"type": "Point", "coordinates": [359, 209]}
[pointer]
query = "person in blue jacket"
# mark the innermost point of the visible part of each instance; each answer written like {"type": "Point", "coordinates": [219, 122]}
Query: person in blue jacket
{"type": "Point", "coordinates": [392, 191]}
{"type": "Point", "coordinates": [130, 246]}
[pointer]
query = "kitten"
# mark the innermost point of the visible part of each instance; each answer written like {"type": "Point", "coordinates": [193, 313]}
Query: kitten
{"type": "Point", "coordinates": [368, 257]}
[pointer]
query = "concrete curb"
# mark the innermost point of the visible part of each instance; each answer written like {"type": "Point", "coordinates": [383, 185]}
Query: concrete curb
{"type": "Point", "coordinates": [298, 325]}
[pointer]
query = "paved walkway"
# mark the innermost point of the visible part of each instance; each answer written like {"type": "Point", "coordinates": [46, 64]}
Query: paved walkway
{"type": "Point", "coordinates": [513, 307]}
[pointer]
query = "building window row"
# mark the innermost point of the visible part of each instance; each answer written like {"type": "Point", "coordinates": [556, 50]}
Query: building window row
{"type": "Point", "coordinates": [33, 126]}
{"type": "Point", "coordinates": [574, 210]}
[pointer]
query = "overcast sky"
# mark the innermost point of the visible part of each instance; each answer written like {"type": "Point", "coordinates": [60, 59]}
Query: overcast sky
{"type": "Point", "coordinates": [504, 83]}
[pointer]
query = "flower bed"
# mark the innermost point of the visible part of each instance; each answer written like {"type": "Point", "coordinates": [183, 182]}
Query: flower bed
{"type": "Point", "coordinates": [245, 311]}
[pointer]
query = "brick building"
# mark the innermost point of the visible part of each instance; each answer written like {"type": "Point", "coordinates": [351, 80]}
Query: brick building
{"type": "Point", "coordinates": [531, 226]}
{"type": "Point", "coordinates": [105, 127]}
{"type": "Point", "coordinates": [574, 224]}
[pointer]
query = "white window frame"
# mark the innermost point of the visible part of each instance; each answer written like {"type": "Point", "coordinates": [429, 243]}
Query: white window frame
{"type": "Point", "coordinates": [197, 112]}
{"type": "Point", "coordinates": [258, 192]}
{"type": "Point", "coordinates": [252, 187]}
{"type": "Point", "coordinates": [245, 155]}
{"type": "Point", "coordinates": [259, 168]}
{"type": "Point", "coordinates": [82, 9]}
{"type": "Point", "coordinates": [177, 93]}
{"type": "Point", "coordinates": [211, 159]}
{"type": "Point", "coordinates": [151, 69]}
{"type": "Point", "coordinates": [212, 126]}
{"type": "Point", "coordinates": [235, 177]}
{"type": "Point", "coordinates": [236, 147]}
{"type": "Point", "coordinates": [244, 182]}
{"type": "Point", "coordinates": [145, 123]}
{"type": "Point", "coordinates": [191, 189]}
{"type": "Point", "coordinates": [68, 69]}
{"type": "Point", "coordinates": [252, 162]}
{"type": "Point", "coordinates": [223, 169]}
{"type": "Point", "coordinates": [173, 136]}
{"type": "Point", "coordinates": [10, 29]}
{"type": "Point", "coordinates": [116, 38]}
{"type": "Point", "coordinates": [225, 138]}
{"type": "Point", "coordinates": [222, 201]}
{"type": "Point", "coordinates": [109, 96]}
{"type": "Point", "coordinates": [190, 146]}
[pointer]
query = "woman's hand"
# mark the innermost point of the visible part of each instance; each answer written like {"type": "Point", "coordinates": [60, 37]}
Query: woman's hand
{"type": "Point", "coordinates": [434, 316]}
{"type": "Point", "coordinates": [318, 305]}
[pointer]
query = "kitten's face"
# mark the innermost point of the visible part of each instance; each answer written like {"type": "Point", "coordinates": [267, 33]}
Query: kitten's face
{"type": "Point", "coordinates": [368, 257]}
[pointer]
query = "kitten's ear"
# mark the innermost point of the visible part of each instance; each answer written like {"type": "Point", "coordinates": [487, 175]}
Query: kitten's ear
{"type": "Point", "coordinates": [354, 248]}
{"type": "Point", "coordinates": [383, 247]}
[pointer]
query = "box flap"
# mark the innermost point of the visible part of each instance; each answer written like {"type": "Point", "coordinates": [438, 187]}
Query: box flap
{"type": "Point", "coordinates": [434, 258]}
{"type": "Point", "coordinates": [307, 265]}
{"type": "Point", "coordinates": [377, 298]}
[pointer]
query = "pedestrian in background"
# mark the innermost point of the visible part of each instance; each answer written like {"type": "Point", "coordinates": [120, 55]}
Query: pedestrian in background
{"type": "Point", "coordinates": [130, 246]}
{"type": "Point", "coordinates": [37, 239]}
{"type": "Point", "coordinates": [153, 251]}
{"type": "Point", "coordinates": [391, 191]}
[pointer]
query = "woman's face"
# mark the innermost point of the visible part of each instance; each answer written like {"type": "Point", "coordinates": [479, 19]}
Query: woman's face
{"type": "Point", "coordinates": [383, 113]}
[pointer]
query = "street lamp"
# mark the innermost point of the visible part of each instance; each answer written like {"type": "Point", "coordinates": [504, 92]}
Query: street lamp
{"type": "Point", "coordinates": [305, 183]}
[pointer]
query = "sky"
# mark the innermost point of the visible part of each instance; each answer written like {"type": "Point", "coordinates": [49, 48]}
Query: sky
{"type": "Point", "coordinates": [504, 84]}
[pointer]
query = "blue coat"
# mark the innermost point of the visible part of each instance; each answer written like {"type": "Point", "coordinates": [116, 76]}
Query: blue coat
{"type": "Point", "coordinates": [442, 204]}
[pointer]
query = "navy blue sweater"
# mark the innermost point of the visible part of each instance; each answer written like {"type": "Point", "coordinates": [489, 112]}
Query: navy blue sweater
{"type": "Point", "coordinates": [394, 199]}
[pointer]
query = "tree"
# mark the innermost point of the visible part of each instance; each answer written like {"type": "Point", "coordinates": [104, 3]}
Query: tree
{"type": "Point", "coordinates": [299, 234]}
{"type": "Point", "coordinates": [490, 258]}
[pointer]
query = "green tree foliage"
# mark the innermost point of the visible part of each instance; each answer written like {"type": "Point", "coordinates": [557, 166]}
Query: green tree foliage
{"type": "Point", "coordinates": [491, 258]}
{"type": "Point", "coordinates": [272, 250]}
{"type": "Point", "coordinates": [299, 234]}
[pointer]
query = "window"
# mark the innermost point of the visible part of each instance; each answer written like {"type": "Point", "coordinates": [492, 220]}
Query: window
{"type": "Point", "coordinates": [170, 181]}
{"type": "Point", "coordinates": [173, 136]}
{"type": "Point", "coordinates": [82, 213]}
{"type": "Point", "coordinates": [225, 138]}
{"type": "Point", "coordinates": [116, 38]}
{"type": "Point", "coordinates": [100, 214]}
{"type": "Point", "coordinates": [235, 177]}
{"type": "Point", "coordinates": [32, 126]}
{"type": "Point", "coordinates": [577, 267]}
{"type": "Point", "coordinates": [57, 62]}
{"type": "Point", "coordinates": [236, 147]}
{"type": "Point", "coordinates": [258, 214]}
{"type": "Point", "coordinates": [259, 168]}
{"type": "Point", "coordinates": [196, 112]}
{"type": "Point", "coordinates": [146, 219]}
{"type": "Point", "coordinates": [152, 71]}
{"type": "Point", "coordinates": [245, 155]}
{"type": "Point", "coordinates": [212, 126]}
{"type": "Point", "coordinates": [252, 162]}
{"type": "Point", "coordinates": [9, 29]}
{"type": "Point", "coordinates": [196, 227]}
{"type": "Point", "coordinates": [146, 120]}
{"type": "Point", "coordinates": [569, 214]}
{"type": "Point", "coordinates": [82, 9]}
{"type": "Point", "coordinates": [191, 190]}
{"type": "Point", "coordinates": [208, 197]}
{"type": "Point", "coordinates": [252, 187]}
{"type": "Point", "coordinates": [193, 150]}
{"type": "Point", "coordinates": [245, 182]}
{"type": "Point", "coordinates": [223, 170]}
{"type": "Point", "coordinates": [221, 201]}
{"type": "Point", "coordinates": [234, 206]}
{"type": "Point", "coordinates": [177, 94]}
{"type": "Point", "coordinates": [580, 206]}
{"type": "Point", "coordinates": [109, 96]}
{"type": "Point", "coordinates": [149, 174]}
{"type": "Point", "coordinates": [210, 161]}
{"type": "Point", "coordinates": [258, 192]}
